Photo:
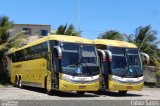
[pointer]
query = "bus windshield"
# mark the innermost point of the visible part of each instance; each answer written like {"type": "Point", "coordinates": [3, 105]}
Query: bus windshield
{"type": "Point", "coordinates": [134, 63]}
{"type": "Point", "coordinates": [118, 64]}
{"type": "Point", "coordinates": [88, 54]}
{"type": "Point", "coordinates": [78, 59]}
{"type": "Point", "coordinates": [125, 62]}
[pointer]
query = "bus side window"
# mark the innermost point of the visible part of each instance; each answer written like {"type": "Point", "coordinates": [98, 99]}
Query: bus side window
{"type": "Point", "coordinates": [10, 57]}
{"type": "Point", "coordinates": [16, 57]}
{"type": "Point", "coordinates": [13, 57]}
{"type": "Point", "coordinates": [44, 50]}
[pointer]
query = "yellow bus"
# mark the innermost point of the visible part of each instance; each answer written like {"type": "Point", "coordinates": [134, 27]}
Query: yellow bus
{"type": "Point", "coordinates": [121, 65]}
{"type": "Point", "coordinates": [57, 62]}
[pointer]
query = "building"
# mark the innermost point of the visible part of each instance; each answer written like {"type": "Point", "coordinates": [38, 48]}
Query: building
{"type": "Point", "coordinates": [32, 31]}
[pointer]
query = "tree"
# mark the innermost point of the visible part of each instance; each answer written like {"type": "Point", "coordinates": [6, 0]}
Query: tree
{"type": "Point", "coordinates": [7, 41]}
{"type": "Point", "coordinates": [146, 40]}
{"type": "Point", "coordinates": [111, 34]}
{"type": "Point", "coordinates": [67, 30]}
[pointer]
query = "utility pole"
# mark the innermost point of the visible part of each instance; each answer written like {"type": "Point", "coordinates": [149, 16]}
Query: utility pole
{"type": "Point", "coordinates": [78, 15]}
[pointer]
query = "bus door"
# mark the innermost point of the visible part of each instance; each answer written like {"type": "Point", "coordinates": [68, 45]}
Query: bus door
{"type": "Point", "coordinates": [106, 67]}
{"type": "Point", "coordinates": [57, 56]}
{"type": "Point", "coordinates": [103, 63]}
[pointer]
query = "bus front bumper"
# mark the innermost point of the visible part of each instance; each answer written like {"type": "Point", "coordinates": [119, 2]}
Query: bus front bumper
{"type": "Point", "coordinates": [116, 86]}
{"type": "Point", "coordinates": [68, 86]}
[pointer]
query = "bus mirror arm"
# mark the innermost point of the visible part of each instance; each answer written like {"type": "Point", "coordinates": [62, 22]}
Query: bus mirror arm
{"type": "Point", "coordinates": [146, 56]}
{"type": "Point", "coordinates": [103, 54]}
{"type": "Point", "coordinates": [109, 53]}
{"type": "Point", "coordinates": [59, 51]}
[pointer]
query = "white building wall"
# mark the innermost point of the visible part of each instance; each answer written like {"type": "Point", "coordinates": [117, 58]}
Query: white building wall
{"type": "Point", "coordinates": [35, 30]}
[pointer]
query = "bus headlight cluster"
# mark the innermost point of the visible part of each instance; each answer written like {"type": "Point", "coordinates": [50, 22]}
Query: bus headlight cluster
{"type": "Point", "coordinates": [126, 80]}
{"type": "Point", "coordinates": [66, 78]}
{"type": "Point", "coordinates": [78, 80]}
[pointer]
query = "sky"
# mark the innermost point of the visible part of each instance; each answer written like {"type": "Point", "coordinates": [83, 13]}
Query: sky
{"type": "Point", "coordinates": [96, 16]}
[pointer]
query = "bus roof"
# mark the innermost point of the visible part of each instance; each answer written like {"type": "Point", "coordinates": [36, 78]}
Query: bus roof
{"type": "Point", "coordinates": [115, 43]}
{"type": "Point", "coordinates": [62, 38]}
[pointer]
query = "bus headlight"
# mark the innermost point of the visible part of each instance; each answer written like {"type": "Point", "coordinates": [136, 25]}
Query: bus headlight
{"type": "Point", "coordinates": [126, 80]}
{"type": "Point", "coordinates": [66, 78]}
{"type": "Point", "coordinates": [82, 80]}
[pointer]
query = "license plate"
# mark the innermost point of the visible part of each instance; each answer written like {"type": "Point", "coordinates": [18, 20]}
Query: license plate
{"type": "Point", "coordinates": [82, 87]}
{"type": "Point", "coordinates": [129, 87]}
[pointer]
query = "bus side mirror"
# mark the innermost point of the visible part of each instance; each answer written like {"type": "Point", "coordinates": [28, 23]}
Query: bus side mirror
{"type": "Point", "coordinates": [109, 53]}
{"type": "Point", "coordinates": [146, 56]}
{"type": "Point", "coordinates": [103, 54]}
{"type": "Point", "coordinates": [57, 52]}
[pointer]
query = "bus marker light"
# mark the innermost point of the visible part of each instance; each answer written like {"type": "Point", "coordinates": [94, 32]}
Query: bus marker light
{"type": "Point", "coordinates": [103, 59]}
{"type": "Point", "coordinates": [110, 59]}
{"type": "Point", "coordinates": [60, 57]}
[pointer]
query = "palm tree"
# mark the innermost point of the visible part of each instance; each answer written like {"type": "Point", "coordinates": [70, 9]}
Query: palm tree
{"type": "Point", "coordinates": [111, 34]}
{"type": "Point", "coordinates": [7, 41]}
{"type": "Point", "coordinates": [67, 30]}
{"type": "Point", "coordinates": [146, 40]}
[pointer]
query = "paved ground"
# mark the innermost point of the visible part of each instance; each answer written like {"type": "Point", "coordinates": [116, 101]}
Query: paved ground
{"type": "Point", "coordinates": [29, 93]}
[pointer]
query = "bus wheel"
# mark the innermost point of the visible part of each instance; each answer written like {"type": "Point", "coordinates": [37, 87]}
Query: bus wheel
{"type": "Point", "coordinates": [80, 93]}
{"type": "Point", "coordinates": [49, 92]}
{"type": "Point", "coordinates": [16, 82]}
{"type": "Point", "coordinates": [122, 92]}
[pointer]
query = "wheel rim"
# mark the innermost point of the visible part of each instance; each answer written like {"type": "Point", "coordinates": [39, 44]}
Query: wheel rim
{"type": "Point", "coordinates": [20, 83]}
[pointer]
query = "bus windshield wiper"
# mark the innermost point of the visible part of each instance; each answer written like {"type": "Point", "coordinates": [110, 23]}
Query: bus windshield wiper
{"type": "Point", "coordinates": [136, 73]}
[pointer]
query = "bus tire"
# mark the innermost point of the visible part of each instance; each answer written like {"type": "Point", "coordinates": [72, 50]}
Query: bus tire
{"type": "Point", "coordinates": [122, 92]}
{"type": "Point", "coordinates": [80, 93]}
{"type": "Point", "coordinates": [16, 82]}
{"type": "Point", "coordinates": [49, 92]}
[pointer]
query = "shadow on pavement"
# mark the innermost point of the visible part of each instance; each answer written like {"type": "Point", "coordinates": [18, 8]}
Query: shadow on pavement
{"type": "Point", "coordinates": [116, 94]}
{"type": "Point", "coordinates": [59, 93]}
{"type": "Point", "coordinates": [87, 94]}
{"type": "Point", "coordinates": [73, 94]}
{"type": "Point", "coordinates": [35, 89]}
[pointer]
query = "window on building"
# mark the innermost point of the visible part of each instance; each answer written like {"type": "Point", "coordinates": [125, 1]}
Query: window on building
{"type": "Point", "coordinates": [44, 32]}
{"type": "Point", "coordinates": [27, 31]}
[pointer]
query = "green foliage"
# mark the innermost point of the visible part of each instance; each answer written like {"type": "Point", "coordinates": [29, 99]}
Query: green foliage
{"type": "Point", "coordinates": [144, 37]}
{"type": "Point", "coordinates": [6, 43]}
{"type": "Point", "coordinates": [158, 73]}
{"type": "Point", "coordinates": [157, 66]}
{"type": "Point", "coordinates": [146, 40]}
{"type": "Point", "coordinates": [112, 34]}
{"type": "Point", "coordinates": [67, 30]}
{"type": "Point", "coordinates": [6, 40]}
